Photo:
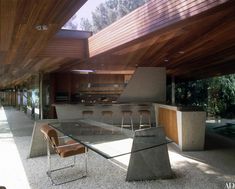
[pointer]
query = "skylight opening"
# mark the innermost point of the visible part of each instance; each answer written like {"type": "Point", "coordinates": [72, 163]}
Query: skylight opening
{"type": "Point", "coordinates": [96, 15]}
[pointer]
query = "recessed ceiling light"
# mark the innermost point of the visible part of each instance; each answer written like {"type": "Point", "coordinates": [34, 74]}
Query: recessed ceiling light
{"type": "Point", "coordinates": [83, 71]}
{"type": "Point", "coordinates": [41, 27]}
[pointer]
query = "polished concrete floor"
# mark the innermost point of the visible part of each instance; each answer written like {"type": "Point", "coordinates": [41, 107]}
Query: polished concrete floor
{"type": "Point", "coordinates": [212, 168]}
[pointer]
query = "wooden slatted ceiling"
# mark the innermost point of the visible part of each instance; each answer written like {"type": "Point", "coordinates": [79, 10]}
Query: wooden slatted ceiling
{"type": "Point", "coordinates": [21, 42]}
{"type": "Point", "coordinates": [146, 37]}
{"type": "Point", "coordinates": [67, 43]}
{"type": "Point", "coordinates": [39, 64]}
{"type": "Point", "coordinates": [24, 41]}
{"type": "Point", "coordinates": [196, 47]}
{"type": "Point", "coordinates": [159, 14]}
{"type": "Point", "coordinates": [65, 48]}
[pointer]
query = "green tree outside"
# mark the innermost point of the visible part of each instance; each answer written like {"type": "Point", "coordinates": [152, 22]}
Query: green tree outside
{"type": "Point", "coordinates": [108, 12]}
{"type": "Point", "coordinates": [216, 95]}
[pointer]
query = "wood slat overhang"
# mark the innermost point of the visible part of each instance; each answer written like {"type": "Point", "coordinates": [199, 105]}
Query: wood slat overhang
{"type": "Point", "coordinates": [148, 18]}
{"type": "Point", "coordinates": [193, 39]}
{"type": "Point", "coordinates": [24, 50]}
{"type": "Point", "coordinates": [68, 43]}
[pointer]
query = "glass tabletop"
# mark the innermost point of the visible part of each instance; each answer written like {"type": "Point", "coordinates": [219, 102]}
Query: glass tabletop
{"type": "Point", "coordinates": [107, 140]}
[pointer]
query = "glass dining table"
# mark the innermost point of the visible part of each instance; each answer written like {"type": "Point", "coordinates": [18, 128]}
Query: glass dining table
{"type": "Point", "coordinates": [109, 141]}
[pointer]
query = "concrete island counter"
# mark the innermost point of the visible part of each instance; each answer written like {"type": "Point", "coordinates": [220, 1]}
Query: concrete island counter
{"type": "Point", "coordinates": [184, 125]}
{"type": "Point", "coordinates": [75, 111]}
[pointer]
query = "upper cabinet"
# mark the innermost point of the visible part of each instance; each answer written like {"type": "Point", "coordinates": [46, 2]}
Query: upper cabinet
{"type": "Point", "coordinates": [87, 88]}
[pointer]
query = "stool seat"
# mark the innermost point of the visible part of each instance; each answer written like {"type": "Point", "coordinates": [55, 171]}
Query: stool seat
{"type": "Point", "coordinates": [87, 113]}
{"type": "Point", "coordinates": [126, 112]}
{"type": "Point", "coordinates": [104, 113]}
{"type": "Point", "coordinates": [144, 112]}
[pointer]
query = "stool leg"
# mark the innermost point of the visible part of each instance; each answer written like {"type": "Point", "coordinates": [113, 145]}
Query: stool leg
{"type": "Point", "coordinates": [131, 123]}
{"type": "Point", "coordinates": [149, 121]}
{"type": "Point", "coordinates": [112, 120]}
{"type": "Point", "coordinates": [140, 121]}
{"type": "Point", "coordinates": [112, 124]}
{"type": "Point", "coordinates": [122, 122]}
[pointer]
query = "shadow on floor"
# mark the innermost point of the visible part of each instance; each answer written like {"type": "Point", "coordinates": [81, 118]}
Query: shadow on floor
{"type": "Point", "coordinates": [219, 153]}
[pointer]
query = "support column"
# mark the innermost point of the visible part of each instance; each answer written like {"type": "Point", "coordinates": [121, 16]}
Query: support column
{"type": "Point", "coordinates": [21, 97]}
{"type": "Point", "coordinates": [15, 96]}
{"type": "Point", "coordinates": [173, 90]}
{"type": "Point", "coordinates": [40, 95]}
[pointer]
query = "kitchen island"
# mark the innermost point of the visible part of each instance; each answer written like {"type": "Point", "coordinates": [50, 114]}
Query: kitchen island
{"type": "Point", "coordinates": [184, 125]}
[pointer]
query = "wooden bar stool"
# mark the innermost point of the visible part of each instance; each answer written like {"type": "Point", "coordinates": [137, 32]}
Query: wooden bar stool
{"type": "Point", "coordinates": [107, 116]}
{"type": "Point", "coordinates": [87, 114]}
{"type": "Point", "coordinates": [144, 114]}
{"type": "Point", "coordinates": [127, 114]}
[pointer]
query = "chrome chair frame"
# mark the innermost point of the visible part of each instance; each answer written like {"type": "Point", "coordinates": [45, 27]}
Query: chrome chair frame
{"type": "Point", "coordinates": [50, 170]}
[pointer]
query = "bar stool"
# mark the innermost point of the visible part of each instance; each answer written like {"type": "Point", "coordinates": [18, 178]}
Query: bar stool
{"type": "Point", "coordinates": [127, 114]}
{"type": "Point", "coordinates": [144, 114]}
{"type": "Point", "coordinates": [87, 114]}
{"type": "Point", "coordinates": [107, 115]}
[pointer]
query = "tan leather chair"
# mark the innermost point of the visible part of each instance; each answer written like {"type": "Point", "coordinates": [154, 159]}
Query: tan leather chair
{"type": "Point", "coordinates": [67, 149]}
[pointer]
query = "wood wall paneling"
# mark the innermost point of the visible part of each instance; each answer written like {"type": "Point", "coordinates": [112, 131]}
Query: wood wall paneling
{"type": "Point", "coordinates": [168, 120]}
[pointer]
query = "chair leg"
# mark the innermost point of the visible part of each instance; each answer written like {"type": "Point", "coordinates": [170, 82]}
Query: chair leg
{"type": "Point", "coordinates": [74, 161]}
{"type": "Point", "coordinates": [48, 156]}
{"type": "Point", "coordinates": [86, 159]}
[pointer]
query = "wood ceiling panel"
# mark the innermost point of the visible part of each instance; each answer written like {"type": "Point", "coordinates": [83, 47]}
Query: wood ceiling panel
{"type": "Point", "coordinates": [151, 17]}
{"type": "Point", "coordinates": [74, 48]}
{"type": "Point", "coordinates": [201, 42]}
{"type": "Point", "coordinates": [20, 41]}
{"type": "Point", "coordinates": [195, 46]}
{"type": "Point", "coordinates": [26, 42]}
{"type": "Point", "coordinates": [7, 21]}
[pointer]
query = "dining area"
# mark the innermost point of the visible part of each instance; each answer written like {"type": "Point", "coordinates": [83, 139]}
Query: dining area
{"type": "Point", "coordinates": [189, 169]}
{"type": "Point", "coordinates": [135, 151]}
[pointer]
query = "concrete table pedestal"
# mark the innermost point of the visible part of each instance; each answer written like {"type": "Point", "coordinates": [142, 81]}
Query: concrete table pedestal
{"type": "Point", "coordinates": [153, 162]}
